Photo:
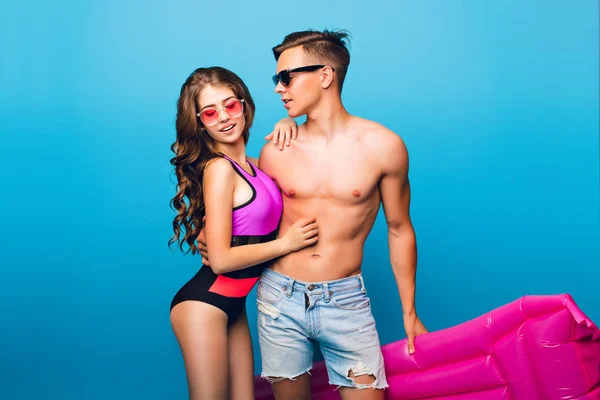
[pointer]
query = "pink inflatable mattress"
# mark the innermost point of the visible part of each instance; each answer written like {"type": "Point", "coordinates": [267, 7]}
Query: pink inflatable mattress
{"type": "Point", "coordinates": [535, 348]}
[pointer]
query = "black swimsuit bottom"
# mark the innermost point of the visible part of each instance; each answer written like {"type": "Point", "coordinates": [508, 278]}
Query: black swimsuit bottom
{"type": "Point", "coordinates": [227, 291]}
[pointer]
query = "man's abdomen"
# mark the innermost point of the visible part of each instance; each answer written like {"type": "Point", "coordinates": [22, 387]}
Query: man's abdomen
{"type": "Point", "coordinates": [309, 265]}
{"type": "Point", "coordinates": [338, 253]}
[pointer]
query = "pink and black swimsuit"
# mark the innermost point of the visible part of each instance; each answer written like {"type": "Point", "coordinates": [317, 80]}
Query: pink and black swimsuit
{"type": "Point", "coordinates": [256, 221]}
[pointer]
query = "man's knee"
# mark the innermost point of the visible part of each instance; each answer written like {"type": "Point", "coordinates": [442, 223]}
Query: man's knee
{"type": "Point", "coordinates": [291, 387]}
{"type": "Point", "coordinates": [287, 389]}
{"type": "Point", "coordinates": [362, 377]}
{"type": "Point", "coordinates": [294, 380]}
{"type": "Point", "coordinates": [364, 384]}
{"type": "Point", "coordinates": [363, 381]}
{"type": "Point", "coordinates": [275, 379]}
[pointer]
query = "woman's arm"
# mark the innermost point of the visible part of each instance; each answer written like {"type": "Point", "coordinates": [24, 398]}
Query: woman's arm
{"type": "Point", "coordinates": [219, 185]}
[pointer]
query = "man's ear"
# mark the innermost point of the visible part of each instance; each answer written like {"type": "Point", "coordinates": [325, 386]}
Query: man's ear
{"type": "Point", "coordinates": [326, 77]}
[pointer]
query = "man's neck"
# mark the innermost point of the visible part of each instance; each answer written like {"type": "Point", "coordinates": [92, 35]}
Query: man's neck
{"type": "Point", "coordinates": [327, 120]}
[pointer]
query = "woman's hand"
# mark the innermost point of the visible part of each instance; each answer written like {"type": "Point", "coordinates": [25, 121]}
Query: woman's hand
{"type": "Point", "coordinates": [302, 233]}
{"type": "Point", "coordinates": [283, 132]}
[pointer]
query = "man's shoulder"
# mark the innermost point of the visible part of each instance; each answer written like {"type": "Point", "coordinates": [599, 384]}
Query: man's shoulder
{"type": "Point", "coordinates": [269, 150]}
{"type": "Point", "coordinates": [271, 154]}
{"type": "Point", "coordinates": [378, 136]}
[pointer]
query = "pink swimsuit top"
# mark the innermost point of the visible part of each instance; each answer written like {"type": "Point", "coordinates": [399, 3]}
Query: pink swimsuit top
{"type": "Point", "coordinates": [256, 221]}
{"type": "Point", "coordinates": [260, 215]}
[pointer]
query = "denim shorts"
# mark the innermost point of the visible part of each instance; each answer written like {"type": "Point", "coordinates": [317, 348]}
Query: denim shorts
{"type": "Point", "coordinates": [293, 315]}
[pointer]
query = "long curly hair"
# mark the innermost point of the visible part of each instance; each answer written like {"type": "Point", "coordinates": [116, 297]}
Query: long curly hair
{"type": "Point", "coordinates": [194, 148]}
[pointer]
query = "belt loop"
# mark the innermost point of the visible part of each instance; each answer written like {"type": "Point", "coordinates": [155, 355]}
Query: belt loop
{"type": "Point", "coordinates": [362, 284]}
{"type": "Point", "coordinates": [326, 291]}
{"type": "Point", "coordinates": [290, 287]}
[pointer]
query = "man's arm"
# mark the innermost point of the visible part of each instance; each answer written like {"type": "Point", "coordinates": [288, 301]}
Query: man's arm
{"type": "Point", "coordinates": [394, 187]}
{"type": "Point", "coordinates": [395, 195]}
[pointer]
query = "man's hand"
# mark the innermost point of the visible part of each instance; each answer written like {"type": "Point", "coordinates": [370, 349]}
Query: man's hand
{"type": "Point", "coordinates": [201, 239]}
{"type": "Point", "coordinates": [413, 327]}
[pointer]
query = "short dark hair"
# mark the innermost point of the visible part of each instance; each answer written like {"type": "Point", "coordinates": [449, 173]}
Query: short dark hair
{"type": "Point", "coordinates": [328, 47]}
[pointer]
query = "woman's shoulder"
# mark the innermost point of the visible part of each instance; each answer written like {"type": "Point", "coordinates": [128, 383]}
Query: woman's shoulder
{"type": "Point", "coordinates": [218, 167]}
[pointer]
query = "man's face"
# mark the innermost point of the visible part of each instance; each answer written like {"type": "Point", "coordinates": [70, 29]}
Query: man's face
{"type": "Point", "coordinates": [304, 89]}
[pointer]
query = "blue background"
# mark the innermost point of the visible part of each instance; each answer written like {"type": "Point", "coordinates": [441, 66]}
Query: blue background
{"type": "Point", "coordinates": [496, 101]}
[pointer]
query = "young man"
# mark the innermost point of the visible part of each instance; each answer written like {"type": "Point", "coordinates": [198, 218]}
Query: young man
{"type": "Point", "coordinates": [339, 169]}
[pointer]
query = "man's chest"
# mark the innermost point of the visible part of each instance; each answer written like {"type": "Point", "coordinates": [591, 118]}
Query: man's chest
{"type": "Point", "coordinates": [346, 176]}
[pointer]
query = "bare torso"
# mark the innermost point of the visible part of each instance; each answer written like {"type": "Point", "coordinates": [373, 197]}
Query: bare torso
{"type": "Point", "coordinates": [335, 180]}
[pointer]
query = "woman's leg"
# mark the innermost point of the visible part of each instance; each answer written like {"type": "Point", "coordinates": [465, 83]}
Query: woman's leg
{"type": "Point", "coordinates": [201, 330]}
{"type": "Point", "coordinates": [241, 360]}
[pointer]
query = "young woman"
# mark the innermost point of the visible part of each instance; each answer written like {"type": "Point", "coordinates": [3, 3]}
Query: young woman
{"type": "Point", "coordinates": [242, 206]}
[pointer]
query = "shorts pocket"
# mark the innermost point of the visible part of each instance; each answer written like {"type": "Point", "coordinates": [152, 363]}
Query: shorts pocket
{"type": "Point", "coordinates": [268, 293]}
{"type": "Point", "coordinates": [350, 300]}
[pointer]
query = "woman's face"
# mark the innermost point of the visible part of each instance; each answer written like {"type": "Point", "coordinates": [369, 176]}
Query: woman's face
{"type": "Point", "coordinates": [222, 114]}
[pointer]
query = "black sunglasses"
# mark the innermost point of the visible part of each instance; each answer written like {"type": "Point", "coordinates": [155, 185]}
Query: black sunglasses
{"type": "Point", "coordinates": [285, 78]}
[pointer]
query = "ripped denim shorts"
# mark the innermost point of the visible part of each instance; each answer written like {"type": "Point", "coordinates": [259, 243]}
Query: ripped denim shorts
{"type": "Point", "coordinates": [293, 315]}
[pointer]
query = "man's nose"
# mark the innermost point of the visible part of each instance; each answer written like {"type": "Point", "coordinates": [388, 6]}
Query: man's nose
{"type": "Point", "coordinates": [279, 88]}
